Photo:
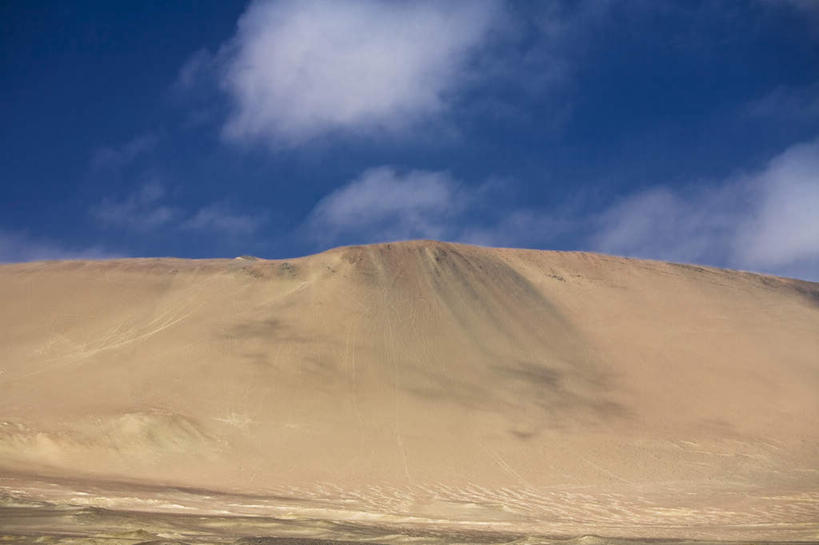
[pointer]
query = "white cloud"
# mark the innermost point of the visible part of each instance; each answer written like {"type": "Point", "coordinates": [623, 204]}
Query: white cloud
{"type": "Point", "coordinates": [384, 204]}
{"type": "Point", "coordinates": [663, 224]}
{"type": "Point", "coordinates": [19, 246]}
{"type": "Point", "coordinates": [783, 229]}
{"type": "Point", "coordinates": [768, 221]}
{"type": "Point", "coordinates": [297, 70]}
{"type": "Point", "coordinates": [219, 218]}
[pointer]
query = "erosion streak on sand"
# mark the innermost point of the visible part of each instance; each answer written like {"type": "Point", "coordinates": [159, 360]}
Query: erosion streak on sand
{"type": "Point", "coordinates": [418, 386]}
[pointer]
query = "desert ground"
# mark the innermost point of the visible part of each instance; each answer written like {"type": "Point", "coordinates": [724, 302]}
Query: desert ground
{"type": "Point", "coordinates": [413, 392]}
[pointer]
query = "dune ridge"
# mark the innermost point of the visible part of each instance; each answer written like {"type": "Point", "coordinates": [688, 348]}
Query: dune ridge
{"type": "Point", "coordinates": [419, 383]}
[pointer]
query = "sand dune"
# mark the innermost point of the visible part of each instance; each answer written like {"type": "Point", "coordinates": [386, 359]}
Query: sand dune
{"type": "Point", "coordinates": [418, 384]}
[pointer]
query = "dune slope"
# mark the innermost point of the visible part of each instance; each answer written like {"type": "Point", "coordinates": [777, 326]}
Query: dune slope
{"type": "Point", "coordinates": [423, 383]}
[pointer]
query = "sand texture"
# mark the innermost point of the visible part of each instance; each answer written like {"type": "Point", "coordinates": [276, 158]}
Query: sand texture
{"type": "Point", "coordinates": [415, 392]}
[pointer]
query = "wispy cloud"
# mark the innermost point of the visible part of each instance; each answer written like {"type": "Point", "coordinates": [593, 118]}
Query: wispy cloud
{"type": "Point", "coordinates": [19, 246]}
{"type": "Point", "coordinates": [117, 157]}
{"type": "Point", "coordinates": [194, 70]}
{"type": "Point", "coordinates": [788, 104]}
{"type": "Point", "coordinates": [806, 5]}
{"type": "Point", "coordinates": [520, 227]}
{"type": "Point", "coordinates": [142, 210]}
{"type": "Point", "coordinates": [219, 218]}
{"type": "Point", "coordinates": [297, 70]}
{"type": "Point", "coordinates": [147, 209]}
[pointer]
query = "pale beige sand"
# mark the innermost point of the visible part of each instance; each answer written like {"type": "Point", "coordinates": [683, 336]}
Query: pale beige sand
{"type": "Point", "coordinates": [418, 384]}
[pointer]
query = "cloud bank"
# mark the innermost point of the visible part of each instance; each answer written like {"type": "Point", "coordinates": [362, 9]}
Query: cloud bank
{"type": "Point", "coordinates": [297, 70]}
{"type": "Point", "coordinates": [783, 229]}
{"type": "Point", "coordinates": [767, 221]}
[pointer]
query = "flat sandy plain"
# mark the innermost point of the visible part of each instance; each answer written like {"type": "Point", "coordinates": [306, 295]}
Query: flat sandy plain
{"type": "Point", "coordinates": [414, 392]}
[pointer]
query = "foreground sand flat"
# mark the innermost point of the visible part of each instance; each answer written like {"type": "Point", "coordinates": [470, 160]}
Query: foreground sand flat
{"type": "Point", "coordinates": [408, 392]}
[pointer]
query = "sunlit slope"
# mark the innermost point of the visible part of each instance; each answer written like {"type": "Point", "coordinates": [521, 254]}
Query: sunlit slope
{"type": "Point", "coordinates": [408, 364]}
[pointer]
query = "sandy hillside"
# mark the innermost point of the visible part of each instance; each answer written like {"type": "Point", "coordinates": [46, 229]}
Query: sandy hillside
{"type": "Point", "coordinates": [420, 383]}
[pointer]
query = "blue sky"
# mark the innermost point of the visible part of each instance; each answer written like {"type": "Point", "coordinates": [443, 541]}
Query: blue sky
{"type": "Point", "coordinates": [685, 131]}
